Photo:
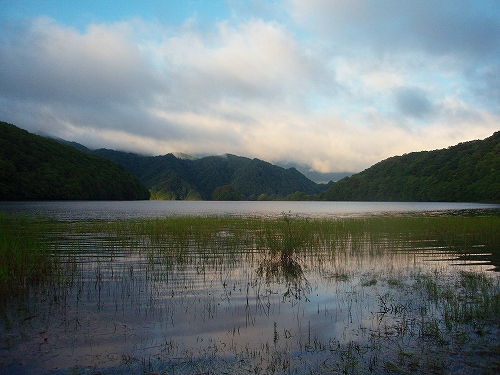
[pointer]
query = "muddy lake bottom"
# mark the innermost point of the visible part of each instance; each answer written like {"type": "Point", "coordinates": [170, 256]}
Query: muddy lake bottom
{"type": "Point", "coordinates": [265, 299]}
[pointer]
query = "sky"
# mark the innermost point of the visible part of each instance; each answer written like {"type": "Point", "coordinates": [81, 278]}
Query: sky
{"type": "Point", "coordinates": [334, 85]}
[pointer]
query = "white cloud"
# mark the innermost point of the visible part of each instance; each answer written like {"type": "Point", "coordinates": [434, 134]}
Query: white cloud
{"type": "Point", "coordinates": [382, 80]}
{"type": "Point", "coordinates": [255, 60]}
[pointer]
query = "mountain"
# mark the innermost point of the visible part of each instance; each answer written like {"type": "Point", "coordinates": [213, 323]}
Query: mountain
{"type": "Point", "coordinates": [318, 177]}
{"type": "Point", "coordinates": [76, 145]}
{"type": "Point", "coordinates": [212, 177]}
{"type": "Point", "coordinates": [37, 168]}
{"type": "Point", "coordinates": [467, 172]}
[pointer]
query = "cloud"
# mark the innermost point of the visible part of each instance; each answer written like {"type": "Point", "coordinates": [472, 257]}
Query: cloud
{"type": "Point", "coordinates": [413, 102]}
{"type": "Point", "coordinates": [330, 85]}
{"type": "Point", "coordinates": [254, 60]}
{"type": "Point", "coordinates": [466, 28]}
{"type": "Point", "coordinates": [98, 78]}
{"type": "Point", "coordinates": [409, 55]}
{"type": "Point", "coordinates": [190, 89]}
{"type": "Point", "coordinates": [485, 84]}
{"type": "Point", "coordinates": [50, 63]}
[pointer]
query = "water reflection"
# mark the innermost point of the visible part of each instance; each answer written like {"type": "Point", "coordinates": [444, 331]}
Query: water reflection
{"type": "Point", "coordinates": [134, 304]}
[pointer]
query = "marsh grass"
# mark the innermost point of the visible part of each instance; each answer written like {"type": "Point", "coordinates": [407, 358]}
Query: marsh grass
{"type": "Point", "coordinates": [409, 335]}
{"type": "Point", "coordinates": [28, 246]}
{"type": "Point", "coordinates": [26, 258]}
{"type": "Point", "coordinates": [287, 234]}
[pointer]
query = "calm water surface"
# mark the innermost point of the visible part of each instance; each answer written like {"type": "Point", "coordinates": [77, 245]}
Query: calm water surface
{"type": "Point", "coordinates": [131, 305]}
{"type": "Point", "coordinates": [140, 209]}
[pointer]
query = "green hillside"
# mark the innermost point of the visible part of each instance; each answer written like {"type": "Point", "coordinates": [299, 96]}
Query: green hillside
{"type": "Point", "coordinates": [213, 177]}
{"type": "Point", "coordinates": [467, 172]}
{"type": "Point", "coordinates": [36, 168]}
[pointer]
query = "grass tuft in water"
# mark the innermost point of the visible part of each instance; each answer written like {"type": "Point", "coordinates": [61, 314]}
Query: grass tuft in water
{"type": "Point", "coordinates": [26, 258]}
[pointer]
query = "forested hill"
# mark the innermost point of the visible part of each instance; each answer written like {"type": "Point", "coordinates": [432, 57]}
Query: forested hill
{"type": "Point", "coordinates": [467, 172]}
{"type": "Point", "coordinates": [36, 168]}
{"type": "Point", "coordinates": [226, 177]}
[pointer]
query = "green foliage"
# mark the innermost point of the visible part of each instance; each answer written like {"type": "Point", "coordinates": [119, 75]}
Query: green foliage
{"type": "Point", "coordinates": [467, 172]}
{"type": "Point", "coordinates": [172, 187]}
{"type": "Point", "coordinates": [288, 235]}
{"type": "Point", "coordinates": [26, 259]}
{"type": "Point", "coordinates": [258, 177]}
{"type": "Point", "coordinates": [300, 196]}
{"type": "Point", "coordinates": [169, 177]}
{"type": "Point", "coordinates": [37, 168]}
{"type": "Point", "coordinates": [263, 197]}
{"type": "Point", "coordinates": [226, 193]}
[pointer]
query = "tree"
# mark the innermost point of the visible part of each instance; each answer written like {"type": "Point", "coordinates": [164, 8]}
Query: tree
{"type": "Point", "coordinates": [226, 193]}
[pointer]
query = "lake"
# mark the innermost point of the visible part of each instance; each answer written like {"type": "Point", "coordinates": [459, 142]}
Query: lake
{"type": "Point", "coordinates": [155, 287]}
{"type": "Point", "coordinates": [112, 210]}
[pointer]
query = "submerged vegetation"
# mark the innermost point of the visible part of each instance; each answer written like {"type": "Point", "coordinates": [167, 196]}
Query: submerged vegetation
{"type": "Point", "coordinates": [252, 295]}
{"type": "Point", "coordinates": [29, 246]}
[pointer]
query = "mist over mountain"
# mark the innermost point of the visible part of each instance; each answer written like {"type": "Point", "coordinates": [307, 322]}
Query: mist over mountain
{"type": "Point", "coordinates": [318, 177]}
{"type": "Point", "coordinates": [215, 177]}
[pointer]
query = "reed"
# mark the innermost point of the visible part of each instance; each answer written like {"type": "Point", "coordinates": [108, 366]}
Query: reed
{"type": "Point", "coordinates": [27, 244]}
{"type": "Point", "coordinates": [291, 233]}
{"type": "Point", "coordinates": [26, 257]}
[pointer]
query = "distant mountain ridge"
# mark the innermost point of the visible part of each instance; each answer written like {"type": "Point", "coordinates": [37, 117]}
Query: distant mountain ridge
{"type": "Point", "coordinates": [169, 177]}
{"type": "Point", "coordinates": [467, 172]}
{"type": "Point", "coordinates": [33, 167]}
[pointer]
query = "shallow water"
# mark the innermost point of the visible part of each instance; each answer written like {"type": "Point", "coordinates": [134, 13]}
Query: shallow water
{"type": "Point", "coordinates": [132, 306]}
